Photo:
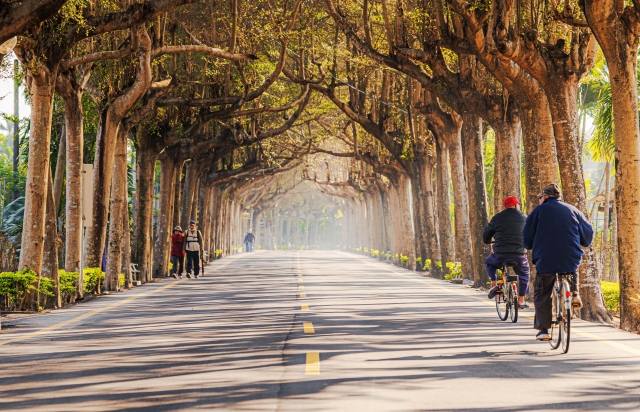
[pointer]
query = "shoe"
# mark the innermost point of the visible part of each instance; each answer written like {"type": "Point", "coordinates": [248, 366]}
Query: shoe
{"type": "Point", "coordinates": [173, 275]}
{"type": "Point", "coordinates": [180, 277]}
{"type": "Point", "coordinates": [523, 306]}
{"type": "Point", "coordinates": [543, 335]}
{"type": "Point", "coordinates": [576, 302]}
{"type": "Point", "coordinates": [495, 291]}
{"type": "Point", "coordinates": [196, 276]}
{"type": "Point", "coordinates": [189, 275]}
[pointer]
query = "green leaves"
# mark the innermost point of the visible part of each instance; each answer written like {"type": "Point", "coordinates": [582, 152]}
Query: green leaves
{"type": "Point", "coordinates": [92, 279]}
{"type": "Point", "coordinates": [12, 218]}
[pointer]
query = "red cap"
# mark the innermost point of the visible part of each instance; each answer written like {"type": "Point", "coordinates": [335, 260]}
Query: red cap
{"type": "Point", "coordinates": [511, 201]}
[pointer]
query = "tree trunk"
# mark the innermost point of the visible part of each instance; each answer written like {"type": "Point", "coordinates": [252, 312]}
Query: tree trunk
{"type": "Point", "coordinates": [102, 176]}
{"type": "Point", "coordinates": [74, 131]}
{"type": "Point", "coordinates": [613, 269]}
{"type": "Point", "coordinates": [207, 219]}
{"type": "Point", "coordinates": [605, 231]}
{"type": "Point", "coordinates": [423, 193]}
{"type": "Point", "coordinates": [619, 42]}
{"type": "Point", "coordinates": [177, 205]}
{"type": "Point", "coordinates": [196, 210]}
{"type": "Point", "coordinates": [142, 228]}
{"type": "Point", "coordinates": [188, 193]}
{"type": "Point", "coordinates": [506, 181]}
{"type": "Point", "coordinates": [126, 242]}
{"type": "Point", "coordinates": [118, 211]}
{"type": "Point", "coordinates": [50, 259]}
{"type": "Point", "coordinates": [443, 204]}
{"type": "Point", "coordinates": [405, 229]}
{"type": "Point", "coordinates": [162, 247]}
{"type": "Point", "coordinates": [477, 193]}
{"type": "Point", "coordinates": [563, 103]}
{"type": "Point", "coordinates": [461, 205]}
{"type": "Point", "coordinates": [60, 168]}
{"type": "Point", "coordinates": [33, 232]}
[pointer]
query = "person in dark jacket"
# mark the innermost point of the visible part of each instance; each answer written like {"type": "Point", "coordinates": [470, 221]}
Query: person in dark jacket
{"type": "Point", "coordinates": [177, 252]}
{"type": "Point", "coordinates": [249, 239]}
{"type": "Point", "coordinates": [506, 230]}
{"type": "Point", "coordinates": [554, 232]}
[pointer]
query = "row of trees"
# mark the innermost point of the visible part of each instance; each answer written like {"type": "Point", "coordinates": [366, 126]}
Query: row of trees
{"type": "Point", "coordinates": [383, 106]}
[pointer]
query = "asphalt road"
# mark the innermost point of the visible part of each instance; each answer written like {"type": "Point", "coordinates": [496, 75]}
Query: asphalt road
{"type": "Point", "coordinates": [306, 331]}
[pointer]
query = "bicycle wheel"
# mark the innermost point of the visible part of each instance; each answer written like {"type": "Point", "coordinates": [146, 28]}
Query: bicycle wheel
{"type": "Point", "coordinates": [556, 324]}
{"type": "Point", "coordinates": [566, 330]}
{"type": "Point", "coordinates": [502, 306]}
{"type": "Point", "coordinates": [514, 305]}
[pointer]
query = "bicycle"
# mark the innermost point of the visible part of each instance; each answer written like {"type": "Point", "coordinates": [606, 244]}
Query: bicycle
{"type": "Point", "coordinates": [563, 310]}
{"type": "Point", "coordinates": [507, 301]}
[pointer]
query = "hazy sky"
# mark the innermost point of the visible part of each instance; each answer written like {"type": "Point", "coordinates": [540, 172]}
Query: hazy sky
{"type": "Point", "coordinates": [6, 97]}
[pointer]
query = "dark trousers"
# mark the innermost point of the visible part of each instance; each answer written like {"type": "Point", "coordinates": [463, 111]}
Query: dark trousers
{"type": "Point", "coordinates": [193, 261]}
{"type": "Point", "coordinates": [542, 290]}
{"type": "Point", "coordinates": [494, 262]}
{"type": "Point", "coordinates": [178, 265]}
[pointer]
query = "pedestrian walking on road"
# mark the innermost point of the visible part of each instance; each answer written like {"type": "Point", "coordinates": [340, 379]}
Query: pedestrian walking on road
{"type": "Point", "coordinates": [177, 252]}
{"type": "Point", "coordinates": [554, 232]}
{"type": "Point", "coordinates": [193, 248]}
{"type": "Point", "coordinates": [249, 239]}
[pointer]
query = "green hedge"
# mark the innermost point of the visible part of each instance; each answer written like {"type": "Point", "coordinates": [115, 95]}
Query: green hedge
{"type": "Point", "coordinates": [18, 288]}
{"type": "Point", "coordinates": [611, 292]}
{"type": "Point", "coordinates": [93, 278]}
{"type": "Point", "coordinates": [68, 285]}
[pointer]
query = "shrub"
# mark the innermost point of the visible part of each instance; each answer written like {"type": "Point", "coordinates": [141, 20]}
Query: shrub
{"type": "Point", "coordinates": [375, 253]}
{"type": "Point", "coordinates": [218, 252]}
{"type": "Point", "coordinates": [121, 279]}
{"type": "Point", "coordinates": [68, 284]}
{"type": "Point", "coordinates": [455, 271]}
{"type": "Point", "coordinates": [404, 259]}
{"type": "Point", "coordinates": [47, 287]}
{"type": "Point", "coordinates": [15, 286]}
{"type": "Point", "coordinates": [418, 261]}
{"type": "Point", "coordinates": [92, 279]}
{"type": "Point", "coordinates": [611, 292]}
{"type": "Point", "coordinates": [439, 266]}
{"type": "Point", "coordinates": [427, 264]}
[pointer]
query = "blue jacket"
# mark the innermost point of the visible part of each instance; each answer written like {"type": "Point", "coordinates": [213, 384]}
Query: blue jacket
{"type": "Point", "coordinates": [554, 232]}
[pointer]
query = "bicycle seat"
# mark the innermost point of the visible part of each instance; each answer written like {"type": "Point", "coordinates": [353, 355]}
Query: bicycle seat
{"type": "Point", "coordinates": [511, 264]}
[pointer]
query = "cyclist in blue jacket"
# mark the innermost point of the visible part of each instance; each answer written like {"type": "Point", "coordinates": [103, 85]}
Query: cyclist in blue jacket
{"type": "Point", "coordinates": [554, 232]}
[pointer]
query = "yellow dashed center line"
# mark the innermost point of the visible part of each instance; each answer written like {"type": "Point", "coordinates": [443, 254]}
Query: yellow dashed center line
{"type": "Point", "coordinates": [313, 364]}
{"type": "Point", "coordinates": [308, 327]}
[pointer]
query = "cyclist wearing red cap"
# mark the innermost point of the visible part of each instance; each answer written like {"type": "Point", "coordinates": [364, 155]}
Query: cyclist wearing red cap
{"type": "Point", "coordinates": [506, 230]}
